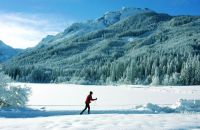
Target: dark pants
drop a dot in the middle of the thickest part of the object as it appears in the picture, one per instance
(87, 105)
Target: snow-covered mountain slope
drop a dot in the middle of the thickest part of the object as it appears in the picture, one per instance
(109, 18)
(79, 29)
(6, 52)
(130, 46)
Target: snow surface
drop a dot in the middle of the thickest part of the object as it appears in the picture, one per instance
(57, 106)
(109, 97)
(105, 122)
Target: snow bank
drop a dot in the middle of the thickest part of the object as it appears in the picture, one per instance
(183, 105)
(158, 109)
(188, 105)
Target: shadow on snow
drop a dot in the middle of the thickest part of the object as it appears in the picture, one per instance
(31, 113)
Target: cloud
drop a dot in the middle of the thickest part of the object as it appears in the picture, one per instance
(26, 30)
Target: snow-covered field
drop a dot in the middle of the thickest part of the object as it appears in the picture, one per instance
(57, 106)
(105, 122)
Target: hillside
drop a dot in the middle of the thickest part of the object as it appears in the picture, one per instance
(6, 52)
(129, 46)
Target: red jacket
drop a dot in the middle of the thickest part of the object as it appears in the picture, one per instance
(89, 99)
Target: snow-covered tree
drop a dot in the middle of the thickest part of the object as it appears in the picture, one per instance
(155, 79)
(12, 96)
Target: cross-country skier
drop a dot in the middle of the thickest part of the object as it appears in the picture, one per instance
(87, 102)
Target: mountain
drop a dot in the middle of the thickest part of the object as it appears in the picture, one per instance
(7, 52)
(79, 29)
(129, 46)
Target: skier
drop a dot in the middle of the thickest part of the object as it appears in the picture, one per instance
(87, 102)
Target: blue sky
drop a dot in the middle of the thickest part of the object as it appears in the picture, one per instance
(24, 23)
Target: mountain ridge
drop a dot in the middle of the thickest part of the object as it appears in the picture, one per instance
(7, 52)
(108, 18)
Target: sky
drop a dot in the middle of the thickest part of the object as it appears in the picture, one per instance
(23, 23)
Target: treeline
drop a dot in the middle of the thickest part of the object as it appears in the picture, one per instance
(154, 68)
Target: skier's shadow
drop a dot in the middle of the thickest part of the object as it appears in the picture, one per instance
(31, 113)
